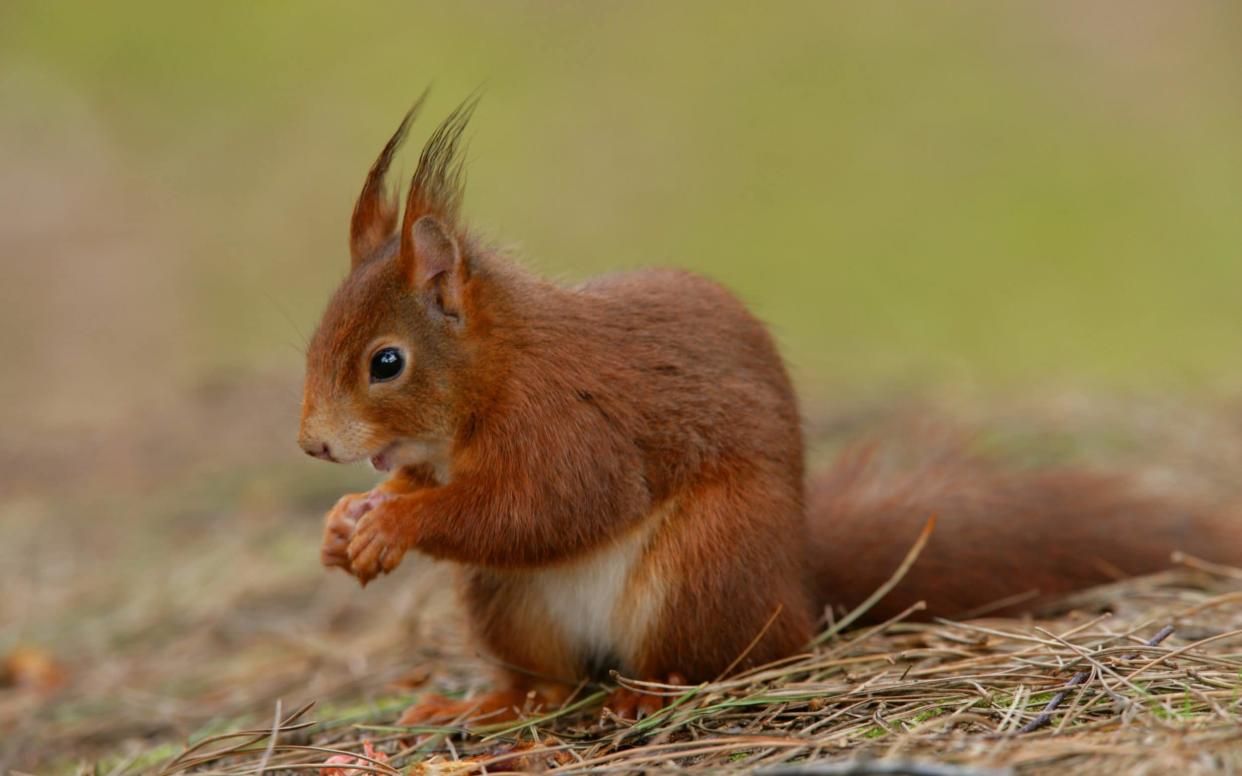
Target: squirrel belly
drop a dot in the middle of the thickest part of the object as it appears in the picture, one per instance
(579, 617)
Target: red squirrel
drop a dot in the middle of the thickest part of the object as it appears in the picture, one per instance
(616, 467)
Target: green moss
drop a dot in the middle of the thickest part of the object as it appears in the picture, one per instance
(925, 715)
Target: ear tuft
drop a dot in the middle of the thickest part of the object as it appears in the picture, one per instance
(430, 254)
(375, 214)
(439, 180)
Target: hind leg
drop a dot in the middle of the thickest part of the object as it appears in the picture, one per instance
(737, 596)
(729, 560)
(507, 627)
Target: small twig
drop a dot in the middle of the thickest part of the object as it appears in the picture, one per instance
(271, 741)
(1045, 716)
(998, 604)
(874, 630)
(179, 763)
(878, 768)
(1093, 658)
(1218, 569)
(742, 655)
(356, 766)
(883, 589)
(498, 729)
(1211, 603)
(1182, 650)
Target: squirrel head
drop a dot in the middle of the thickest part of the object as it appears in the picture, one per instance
(383, 367)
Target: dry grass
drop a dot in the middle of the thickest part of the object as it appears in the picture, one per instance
(197, 634)
(954, 693)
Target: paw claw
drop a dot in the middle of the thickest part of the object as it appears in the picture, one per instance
(337, 530)
(635, 705)
(378, 545)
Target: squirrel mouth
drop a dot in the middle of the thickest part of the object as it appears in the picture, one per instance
(382, 461)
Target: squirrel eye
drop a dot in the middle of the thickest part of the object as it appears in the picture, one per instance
(386, 364)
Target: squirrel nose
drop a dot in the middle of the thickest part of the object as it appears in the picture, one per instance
(318, 450)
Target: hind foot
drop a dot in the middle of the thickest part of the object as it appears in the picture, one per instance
(633, 704)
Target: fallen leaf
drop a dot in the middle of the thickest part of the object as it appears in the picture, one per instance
(33, 669)
(338, 764)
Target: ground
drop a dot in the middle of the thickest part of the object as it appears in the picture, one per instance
(164, 609)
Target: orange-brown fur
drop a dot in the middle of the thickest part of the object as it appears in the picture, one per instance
(1005, 541)
(637, 435)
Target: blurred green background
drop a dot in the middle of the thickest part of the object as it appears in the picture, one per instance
(992, 193)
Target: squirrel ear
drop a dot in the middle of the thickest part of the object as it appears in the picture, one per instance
(430, 254)
(436, 268)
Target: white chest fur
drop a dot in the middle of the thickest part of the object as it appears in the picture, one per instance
(602, 604)
(411, 452)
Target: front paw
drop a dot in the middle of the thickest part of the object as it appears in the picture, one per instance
(381, 539)
(341, 522)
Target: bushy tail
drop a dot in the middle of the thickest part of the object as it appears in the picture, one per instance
(1005, 540)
